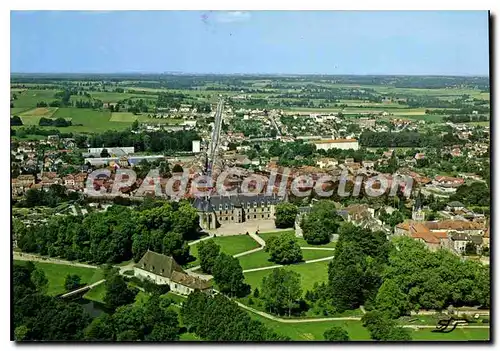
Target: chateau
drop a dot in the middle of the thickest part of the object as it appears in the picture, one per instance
(217, 210)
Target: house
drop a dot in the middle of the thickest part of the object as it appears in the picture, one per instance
(368, 164)
(164, 270)
(327, 162)
(455, 206)
(448, 182)
(419, 156)
(449, 234)
(458, 241)
(26, 180)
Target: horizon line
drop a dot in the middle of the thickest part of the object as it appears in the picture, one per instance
(468, 75)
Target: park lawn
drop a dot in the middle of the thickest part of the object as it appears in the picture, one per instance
(56, 275)
(301, 241)
(313, 331)
(96, 294)
(308, 255)
(230, 245)
(189, 337)
(459, 334)
(261, 258)
(310, 273)
(256, 260)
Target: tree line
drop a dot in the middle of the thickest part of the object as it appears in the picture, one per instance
(116, 235)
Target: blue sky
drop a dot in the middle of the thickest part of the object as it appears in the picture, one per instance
(318, 42)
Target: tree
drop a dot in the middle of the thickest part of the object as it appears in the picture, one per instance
(391, 300)
(16, 121)
(228, 275)
(321, 223)
(105, 153)
(256, 293)
(40, 280)
(284, 249)
(285, 215)
(281, 290)
(135, 125)
(177, 169)
(72, 282)
(470, 248)
(20, 333)
(336, 334)
(208, 251)
(117, 292)
(100, 329)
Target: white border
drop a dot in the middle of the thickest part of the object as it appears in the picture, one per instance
(191, 5)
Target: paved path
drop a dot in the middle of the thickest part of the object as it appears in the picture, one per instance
(202, 239)
(248, 252)
(257, 238)
(30, 257)
(317, 248)
(87, 287)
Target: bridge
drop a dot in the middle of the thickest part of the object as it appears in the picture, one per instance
(82, 289)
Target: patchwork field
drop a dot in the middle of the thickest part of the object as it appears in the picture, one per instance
(56, 275)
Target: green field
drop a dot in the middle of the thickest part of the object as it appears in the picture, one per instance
(56, 275)
(96, 294)
(32, 116)
(301, 241)
(87, 120)
(310, 273)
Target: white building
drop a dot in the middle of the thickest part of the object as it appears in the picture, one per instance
(196, 146)
(163, 270)
(344, 144)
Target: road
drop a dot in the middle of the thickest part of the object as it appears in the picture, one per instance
(214, 142)
(28, 257)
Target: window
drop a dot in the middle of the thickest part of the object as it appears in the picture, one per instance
(255, 204)
(232, 218)
(254, 216)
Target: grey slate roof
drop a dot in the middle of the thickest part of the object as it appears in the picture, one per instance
(239, 200)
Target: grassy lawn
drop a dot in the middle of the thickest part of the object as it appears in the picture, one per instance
(261, 258)
(32, 116)
(189, 337)
(310, 273)
(301, 241)
(314, 331)
(96, 294)
(56, 275)
(230, 245)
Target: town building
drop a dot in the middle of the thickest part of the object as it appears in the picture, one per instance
(343, 144)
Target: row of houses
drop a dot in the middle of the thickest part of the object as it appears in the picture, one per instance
(448, 234)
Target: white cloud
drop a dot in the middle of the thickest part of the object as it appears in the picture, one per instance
(233, 16)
